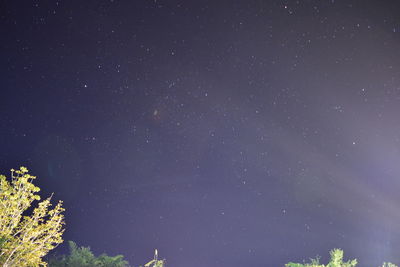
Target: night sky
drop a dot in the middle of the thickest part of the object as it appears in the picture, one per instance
(222, 133)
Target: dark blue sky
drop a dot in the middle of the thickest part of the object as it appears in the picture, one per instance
(223, 133)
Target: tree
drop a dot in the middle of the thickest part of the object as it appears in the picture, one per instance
(108, 261)
(83, 257)
(336, 261)
(25, 240)
(78, 257)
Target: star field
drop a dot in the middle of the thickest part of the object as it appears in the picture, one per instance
(239, 133)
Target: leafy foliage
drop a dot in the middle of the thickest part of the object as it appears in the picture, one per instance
(155, 262)
(388, 264)
(336, 261)
(24, 240)
(83, 257)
